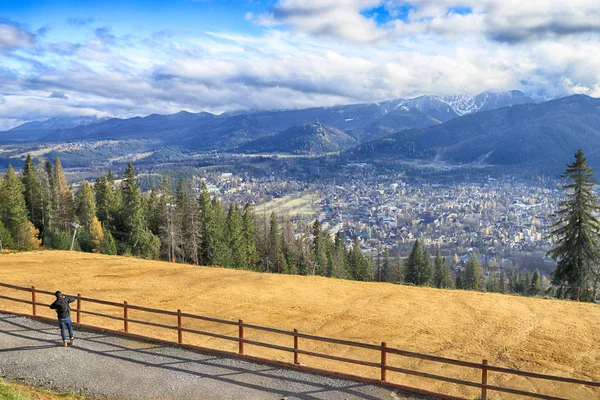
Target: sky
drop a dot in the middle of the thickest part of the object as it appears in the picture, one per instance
(124, 58)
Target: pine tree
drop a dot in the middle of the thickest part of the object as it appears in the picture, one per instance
(205, 206)
(251, 251)
(236, 237)
(318, 249)
(48, 194)
(359, 268)
(188, 220)
(577, 230)
(215, 241)
(418, 266)
(473, 276)
(108, 245)
(85, 206)
(13, 210)
(106, 203)
(339, 258)
(441, 277)
(274, 245)
(33, 193)
(62, 199)
(138, 240)
(288, 246)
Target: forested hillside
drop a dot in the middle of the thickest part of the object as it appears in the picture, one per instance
(113, 216)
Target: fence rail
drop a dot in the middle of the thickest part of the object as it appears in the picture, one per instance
(241, 339)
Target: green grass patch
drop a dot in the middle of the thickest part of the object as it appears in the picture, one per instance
(12, 391)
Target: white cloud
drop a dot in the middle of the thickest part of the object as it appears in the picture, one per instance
(335, 18)
(501, 20)
(433, 51)
(11, 36)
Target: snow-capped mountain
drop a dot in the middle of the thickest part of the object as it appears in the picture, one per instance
(445, 108)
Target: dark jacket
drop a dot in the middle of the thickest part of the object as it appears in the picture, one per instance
(61, 305)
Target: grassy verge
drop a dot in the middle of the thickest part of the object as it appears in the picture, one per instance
(13, 391)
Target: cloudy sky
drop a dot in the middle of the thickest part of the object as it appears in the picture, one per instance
(136, 57)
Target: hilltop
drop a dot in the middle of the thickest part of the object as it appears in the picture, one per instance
(308, 138)
(540, 335)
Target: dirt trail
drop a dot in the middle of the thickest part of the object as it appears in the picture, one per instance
(546, 336)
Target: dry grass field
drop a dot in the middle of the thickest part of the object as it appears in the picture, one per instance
(539, 335)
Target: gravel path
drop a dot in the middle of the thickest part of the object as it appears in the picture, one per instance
(105, 366)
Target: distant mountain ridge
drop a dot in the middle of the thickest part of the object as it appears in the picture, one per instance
(205, 131)
(60, 123)
(529, 134)
(36, 130)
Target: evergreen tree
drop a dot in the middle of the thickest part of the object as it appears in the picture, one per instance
(236, 237)
(205, 206)
(33, 193)
(319, 249)
(275, 256)
(216, 234)
(418, 266)
(577, 230)
(339, 258)
(249, 230)
(48, 195)
(106, 203)
(13, 213)
(138, 239)
(359, 267)
(63, 204)
(473, 276)
(108, 245)
(85, 204)
(441, 277)
(188, 221)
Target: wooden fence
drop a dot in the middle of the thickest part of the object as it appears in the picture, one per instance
(295, 336)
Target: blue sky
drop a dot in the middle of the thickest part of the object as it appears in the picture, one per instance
(134, 57)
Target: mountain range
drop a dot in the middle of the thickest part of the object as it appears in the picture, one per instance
(204, 131)
(530, 134)
(506, 128)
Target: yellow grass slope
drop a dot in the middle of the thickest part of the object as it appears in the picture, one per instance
(545, 336)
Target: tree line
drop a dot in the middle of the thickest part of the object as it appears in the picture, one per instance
(110, 216)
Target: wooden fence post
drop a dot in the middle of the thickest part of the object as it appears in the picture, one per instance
(33, 301)
(383, 361)
(484, 372)
(296, 346)
(241, 337)
(78, 308)
(179, 326)
(125, 317)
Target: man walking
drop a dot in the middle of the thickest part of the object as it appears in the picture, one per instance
(63, 312)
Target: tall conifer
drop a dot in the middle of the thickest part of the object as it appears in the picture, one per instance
(577, 230)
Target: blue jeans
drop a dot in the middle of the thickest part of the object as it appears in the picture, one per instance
(65, 323)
